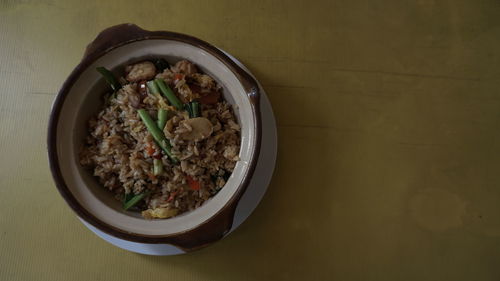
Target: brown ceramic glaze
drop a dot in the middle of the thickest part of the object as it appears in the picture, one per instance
(212, 229)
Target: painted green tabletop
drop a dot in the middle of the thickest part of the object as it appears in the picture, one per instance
(388, 117)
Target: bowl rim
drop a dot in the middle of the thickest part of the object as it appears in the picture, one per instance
(209, 231)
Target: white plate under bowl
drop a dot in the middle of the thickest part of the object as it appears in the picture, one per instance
(250, 199)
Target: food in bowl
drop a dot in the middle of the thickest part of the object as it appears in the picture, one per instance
(165, 140)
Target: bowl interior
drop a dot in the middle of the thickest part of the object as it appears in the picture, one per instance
(85, 100)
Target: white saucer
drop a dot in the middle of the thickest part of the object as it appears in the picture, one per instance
(250, 199)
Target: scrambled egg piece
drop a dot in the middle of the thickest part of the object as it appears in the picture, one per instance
(159, 213)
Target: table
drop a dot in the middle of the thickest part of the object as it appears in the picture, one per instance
(388, 117)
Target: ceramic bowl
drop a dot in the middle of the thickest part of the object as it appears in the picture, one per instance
(80, 98)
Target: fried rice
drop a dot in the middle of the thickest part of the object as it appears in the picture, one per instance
(121, 152)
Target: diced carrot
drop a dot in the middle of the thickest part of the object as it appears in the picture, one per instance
(178, 76)
(172, 196)
(150, 150)
(151, 176)
(194, 184)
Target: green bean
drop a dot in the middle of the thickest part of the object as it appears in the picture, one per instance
(165, 145)
(187, 107)
(162, 118)
(134, 200)
(150, 125)
(168, 93)
(195, 108)
(110, 78)
(157, 167)
(157, 134)
(153, 88)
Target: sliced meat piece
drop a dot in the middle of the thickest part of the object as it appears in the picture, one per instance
(185, 67)
(206, 82)
(198, 128)
(145, 70)
(129, 93)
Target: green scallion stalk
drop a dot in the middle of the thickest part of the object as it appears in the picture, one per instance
(134, 200)
(110, 78)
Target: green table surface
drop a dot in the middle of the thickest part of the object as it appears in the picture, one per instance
(388, 118)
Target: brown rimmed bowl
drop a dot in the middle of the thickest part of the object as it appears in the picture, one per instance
(80, 98)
